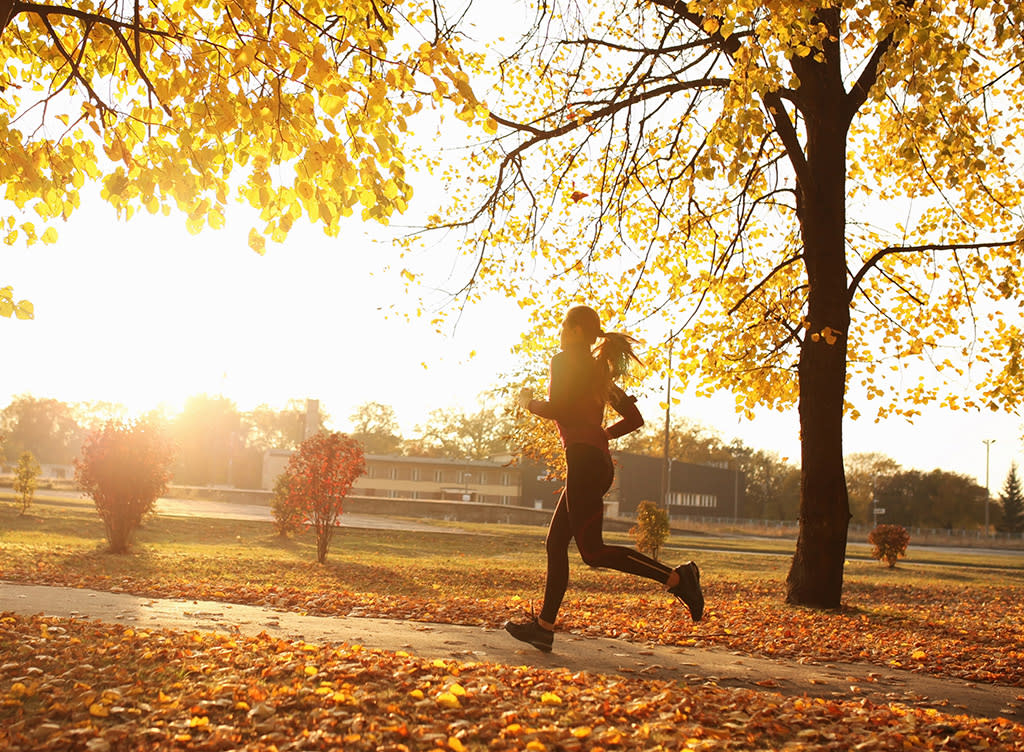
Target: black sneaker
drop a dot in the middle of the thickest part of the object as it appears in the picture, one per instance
(688, 590)
(533, 633)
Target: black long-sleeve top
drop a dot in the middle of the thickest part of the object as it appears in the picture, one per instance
(575, 403)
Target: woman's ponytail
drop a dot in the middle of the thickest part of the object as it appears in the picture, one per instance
(612, 355)
(615, 352)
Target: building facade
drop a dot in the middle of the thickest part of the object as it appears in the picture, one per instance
(428, 478)
(694, 490)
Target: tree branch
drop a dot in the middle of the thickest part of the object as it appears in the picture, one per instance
(75, 71)
(645, 51)
(63, 10)
(767, 278)
(540, 134)
(894, 249)
(772, 100)
(858, 94)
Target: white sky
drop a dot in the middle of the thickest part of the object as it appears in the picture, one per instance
(143, 313)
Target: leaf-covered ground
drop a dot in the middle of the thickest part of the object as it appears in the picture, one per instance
(77, 685)
(946, 621)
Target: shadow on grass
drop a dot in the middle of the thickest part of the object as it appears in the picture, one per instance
(49, 523)
(294, 575)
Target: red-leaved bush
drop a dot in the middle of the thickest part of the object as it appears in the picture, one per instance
(320, 475)
(890, 543)
(124, 467)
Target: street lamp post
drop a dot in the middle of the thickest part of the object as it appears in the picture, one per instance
(988, 445)
(666, 467)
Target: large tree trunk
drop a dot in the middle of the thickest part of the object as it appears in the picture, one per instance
(816, 574)
(6, 13)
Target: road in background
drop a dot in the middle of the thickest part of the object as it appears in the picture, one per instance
(224, 510)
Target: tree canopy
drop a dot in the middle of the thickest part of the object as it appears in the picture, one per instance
(452, 432)
(1012, 502)
(296, 109)
(802, 195)
(42, 425)
(375, 427)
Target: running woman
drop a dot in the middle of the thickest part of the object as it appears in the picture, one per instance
(582, 382)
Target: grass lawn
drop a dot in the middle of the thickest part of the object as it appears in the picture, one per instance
(73, 684)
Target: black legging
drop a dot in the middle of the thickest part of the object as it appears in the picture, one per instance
(579, 514)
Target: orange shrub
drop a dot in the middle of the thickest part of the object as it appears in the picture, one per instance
(320, 475)
(124, 467)
(890, 543)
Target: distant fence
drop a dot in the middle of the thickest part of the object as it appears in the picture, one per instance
(457, 511)
(856, 531)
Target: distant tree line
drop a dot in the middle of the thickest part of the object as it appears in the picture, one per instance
(218, 444)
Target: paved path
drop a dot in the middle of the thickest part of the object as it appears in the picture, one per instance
(605, 656)
(225, 510)
(231, 511)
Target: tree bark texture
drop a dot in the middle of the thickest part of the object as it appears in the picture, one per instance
(7, 11)
(816, 573)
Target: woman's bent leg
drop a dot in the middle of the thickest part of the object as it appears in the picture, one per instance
(590, 475)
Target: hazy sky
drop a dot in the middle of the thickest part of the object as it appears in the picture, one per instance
(141, 313)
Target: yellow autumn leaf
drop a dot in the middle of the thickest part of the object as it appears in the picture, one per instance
(332, 104)
(550, 698)
(455, 744)
(257, 242)
(98, 710)
(448, 700)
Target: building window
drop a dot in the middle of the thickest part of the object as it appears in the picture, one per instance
(371, 471)
(439, 476)
(705, 501)
(483, 477)
(392, 473)
(506, 479)
(415, 494)
(415, 474)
